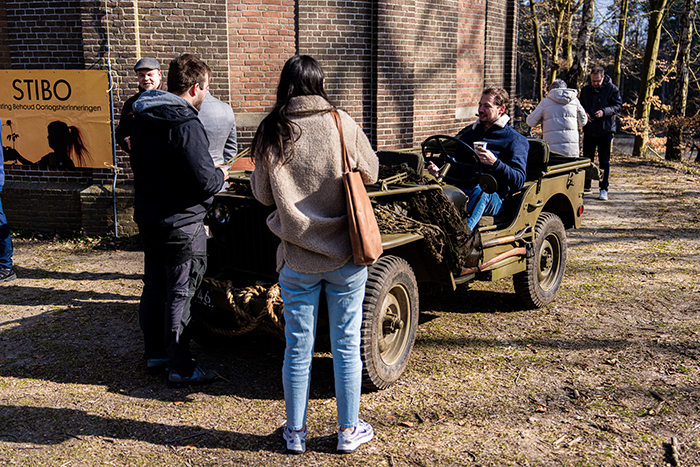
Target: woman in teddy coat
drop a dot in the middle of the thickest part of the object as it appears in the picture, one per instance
(298, 168)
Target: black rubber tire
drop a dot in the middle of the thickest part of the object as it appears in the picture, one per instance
(538, 285)
(391, 294)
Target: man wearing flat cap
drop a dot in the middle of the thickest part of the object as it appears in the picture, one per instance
(149, 77)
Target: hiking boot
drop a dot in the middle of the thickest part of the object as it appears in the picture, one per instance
(7, 274)
(603, 195)
(200, 375)
(296, 440)
(156, 366)
(350, 440)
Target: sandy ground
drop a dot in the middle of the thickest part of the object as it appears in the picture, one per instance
(606, 375)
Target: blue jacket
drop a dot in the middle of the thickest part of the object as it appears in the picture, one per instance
(174, 176)
(605, 97)
(509, 146)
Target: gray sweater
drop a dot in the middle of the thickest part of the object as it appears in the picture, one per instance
(311, 215)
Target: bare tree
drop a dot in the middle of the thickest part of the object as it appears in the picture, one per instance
(576, 76)
(648, 82)
(621, 29)
(537, 40)
(674, 138)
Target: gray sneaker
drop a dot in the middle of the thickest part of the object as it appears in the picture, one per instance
(200, 375)
(7, 274)
(349, 441)
(296, 440)
(603, 195)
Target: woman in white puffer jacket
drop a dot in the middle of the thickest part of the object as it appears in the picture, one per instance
(561, 115)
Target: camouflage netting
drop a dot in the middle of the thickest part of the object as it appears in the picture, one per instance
(429, 213)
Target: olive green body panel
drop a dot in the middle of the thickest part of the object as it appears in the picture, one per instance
(558, 190)
(504, 240)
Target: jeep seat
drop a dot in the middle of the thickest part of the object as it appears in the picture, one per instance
(537, 159)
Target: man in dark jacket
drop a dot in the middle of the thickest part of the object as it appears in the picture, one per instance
(504, 156)
(149, 77)
(174, 181)
(602, 102)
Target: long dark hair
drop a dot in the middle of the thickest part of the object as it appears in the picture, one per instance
(302, 75)
(64, 140)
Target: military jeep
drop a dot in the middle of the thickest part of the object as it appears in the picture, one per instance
(425, 240)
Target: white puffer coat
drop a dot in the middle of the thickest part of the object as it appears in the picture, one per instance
(561, 115)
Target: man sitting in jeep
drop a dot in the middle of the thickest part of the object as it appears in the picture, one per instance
(504, 156)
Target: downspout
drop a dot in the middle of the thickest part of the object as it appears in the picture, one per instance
(115, 169)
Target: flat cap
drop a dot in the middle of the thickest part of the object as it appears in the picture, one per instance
(147, 63)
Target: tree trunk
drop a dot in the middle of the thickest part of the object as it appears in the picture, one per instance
(538, 53)
(674, 138)
(576, 77)
(648, 81)
(557, 39)
(567, 47)
(621, 29)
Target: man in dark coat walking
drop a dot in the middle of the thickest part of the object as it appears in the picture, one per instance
(602, 102)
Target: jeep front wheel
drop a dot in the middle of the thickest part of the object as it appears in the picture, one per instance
(389, 322)
(538, 285)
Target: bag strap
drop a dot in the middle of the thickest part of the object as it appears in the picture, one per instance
(339, 125)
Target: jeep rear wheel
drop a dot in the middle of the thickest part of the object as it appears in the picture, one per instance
(538, 285)
(389, 322)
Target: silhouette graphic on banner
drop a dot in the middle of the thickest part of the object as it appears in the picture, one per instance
(69, 150)
(65, 141)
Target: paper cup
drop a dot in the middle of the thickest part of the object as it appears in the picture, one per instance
(480, 144)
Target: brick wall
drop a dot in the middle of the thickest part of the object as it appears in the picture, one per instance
(471, 58)
(45, 34)
(404, 69)
(5, 61)
(262, 36)
(54, 206)
(339, 35)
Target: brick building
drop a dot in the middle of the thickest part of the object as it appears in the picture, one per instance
(404, 69)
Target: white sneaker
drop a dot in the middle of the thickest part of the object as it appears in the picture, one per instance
(296, 440)
(603, 194)
(349, 441)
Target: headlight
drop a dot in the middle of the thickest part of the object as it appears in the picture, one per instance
(220, 213)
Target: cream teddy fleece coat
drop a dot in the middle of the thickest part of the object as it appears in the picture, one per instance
(311, 216)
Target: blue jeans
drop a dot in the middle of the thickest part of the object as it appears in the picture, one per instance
(481, 204)
(5, 241)
(345, 291)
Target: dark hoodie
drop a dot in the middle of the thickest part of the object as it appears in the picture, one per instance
(605, 97)
(126, 119)
(174, 176)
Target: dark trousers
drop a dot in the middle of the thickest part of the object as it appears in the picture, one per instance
(604, 145)
(174, 264)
